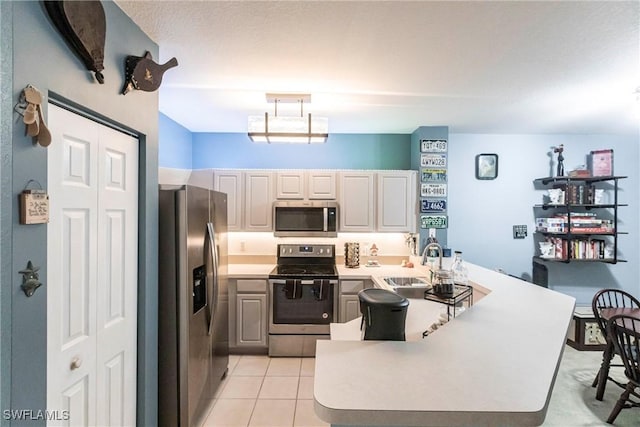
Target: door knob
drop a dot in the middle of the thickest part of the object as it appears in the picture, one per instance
(76, 362)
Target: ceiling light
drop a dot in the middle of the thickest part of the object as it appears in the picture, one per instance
(288, 129)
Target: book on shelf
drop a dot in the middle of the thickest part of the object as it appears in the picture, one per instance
(580, 223)
(579, 194)
(585, 249)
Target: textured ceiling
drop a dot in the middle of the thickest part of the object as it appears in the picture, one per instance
(389, 67)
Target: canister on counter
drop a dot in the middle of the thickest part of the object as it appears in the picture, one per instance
(352, 255)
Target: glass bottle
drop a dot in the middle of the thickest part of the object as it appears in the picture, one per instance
(459, 270)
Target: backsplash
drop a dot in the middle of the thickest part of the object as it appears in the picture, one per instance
(250, 247)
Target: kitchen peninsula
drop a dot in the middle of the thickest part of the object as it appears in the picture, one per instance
(493, 365)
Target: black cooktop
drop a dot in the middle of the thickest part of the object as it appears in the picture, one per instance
(304, 271)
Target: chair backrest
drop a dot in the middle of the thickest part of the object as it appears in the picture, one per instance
(611, 298)
(624, 330)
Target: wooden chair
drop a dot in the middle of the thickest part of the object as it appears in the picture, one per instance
(604, 299)
(624, 331)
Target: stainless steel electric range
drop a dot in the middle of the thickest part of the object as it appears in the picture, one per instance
(303, 294)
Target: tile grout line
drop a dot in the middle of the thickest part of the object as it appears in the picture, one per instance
(255, 401)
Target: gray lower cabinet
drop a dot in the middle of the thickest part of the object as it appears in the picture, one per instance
(349, 308)
(248, 315)
(251, 329)
(349, 302)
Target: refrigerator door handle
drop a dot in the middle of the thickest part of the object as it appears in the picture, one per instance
(213, 252)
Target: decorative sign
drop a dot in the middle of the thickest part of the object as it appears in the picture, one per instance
(433, 190)
(34, 207)
(433, 146)
(433, 221)
(433, 205)
(433, 160)
(438, 175)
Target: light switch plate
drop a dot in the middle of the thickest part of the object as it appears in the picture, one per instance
(519, 231)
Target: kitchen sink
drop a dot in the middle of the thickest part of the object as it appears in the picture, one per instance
(408, 287)
(406, 281)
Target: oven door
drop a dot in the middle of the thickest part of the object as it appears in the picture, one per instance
(301, 306)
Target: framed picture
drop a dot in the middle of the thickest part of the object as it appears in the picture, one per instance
(486, 166)
(601, 162)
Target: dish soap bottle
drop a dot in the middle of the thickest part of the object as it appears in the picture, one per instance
(459, 270)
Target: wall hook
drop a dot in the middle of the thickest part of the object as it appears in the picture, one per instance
(30, 280)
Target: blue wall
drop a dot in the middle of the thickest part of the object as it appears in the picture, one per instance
(175, 144)
(482, 213)
(341, 151)
(40, 57)
(6, 199)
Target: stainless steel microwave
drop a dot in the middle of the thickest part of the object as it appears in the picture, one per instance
(305, 219)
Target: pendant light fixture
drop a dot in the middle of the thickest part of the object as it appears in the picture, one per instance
(288, 129)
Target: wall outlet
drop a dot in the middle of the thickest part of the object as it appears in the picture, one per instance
(243, 246)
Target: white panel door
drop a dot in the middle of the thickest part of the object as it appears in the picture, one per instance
(72, 267)
(117, 280)
(92, 272)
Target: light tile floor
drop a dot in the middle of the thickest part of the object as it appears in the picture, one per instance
(263, 391)
(278, 392)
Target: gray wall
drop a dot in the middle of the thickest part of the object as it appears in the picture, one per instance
(6, 67)
(41, 58)
(482, 213)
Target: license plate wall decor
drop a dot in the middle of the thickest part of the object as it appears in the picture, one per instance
(438, 175)
(433, 190)
(433, 221)
(433, 146)
(433, 205)
(433, 160)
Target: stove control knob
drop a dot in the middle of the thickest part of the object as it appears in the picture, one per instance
(328, 251)
(321, 250)
(290, 250)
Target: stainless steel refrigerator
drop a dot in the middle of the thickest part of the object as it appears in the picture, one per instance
(193, 302)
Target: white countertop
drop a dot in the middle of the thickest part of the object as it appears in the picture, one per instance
(495, 364)
(250, 270)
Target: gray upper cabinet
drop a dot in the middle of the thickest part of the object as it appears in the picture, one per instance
(396, 204)
(321, 185)
(231, 183)
(290, 185)
(258, 201)
(356, 198)
(302, 185)
(369, 201)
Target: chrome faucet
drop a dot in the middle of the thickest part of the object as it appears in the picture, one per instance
(426, 251)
